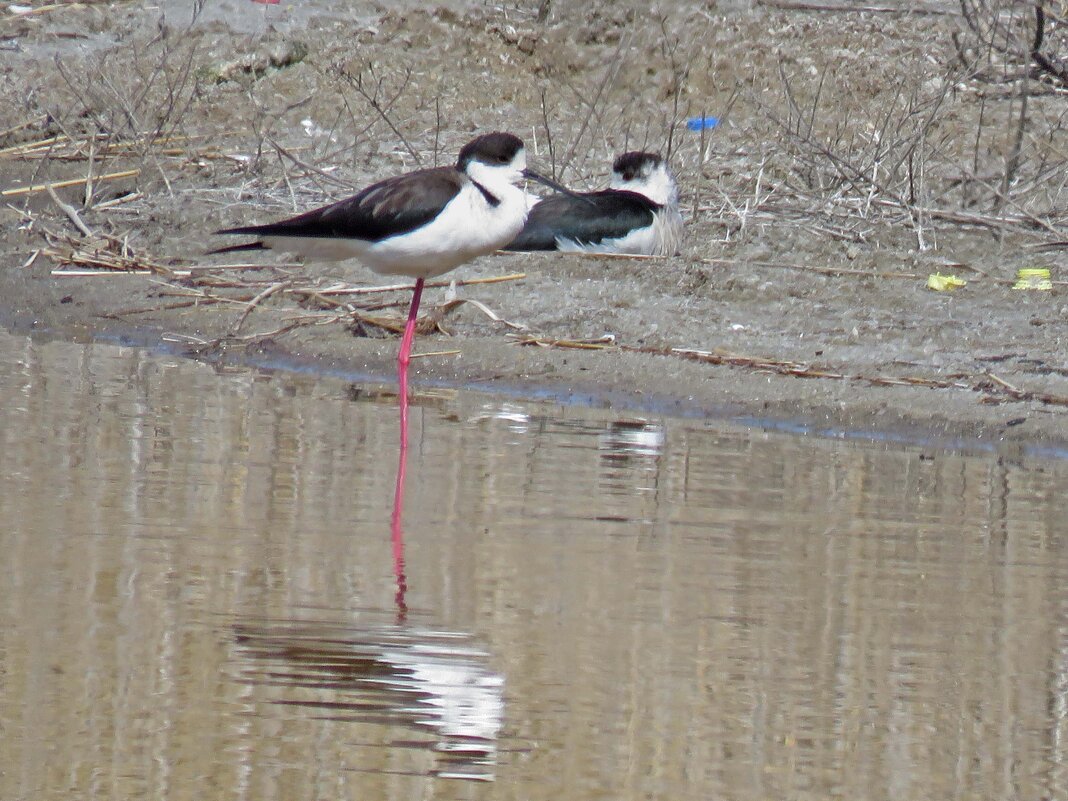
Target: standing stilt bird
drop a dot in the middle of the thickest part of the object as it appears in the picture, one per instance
(637, 214)
(420, 224)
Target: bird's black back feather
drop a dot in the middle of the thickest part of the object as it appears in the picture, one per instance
(588, 219)
(388, 208)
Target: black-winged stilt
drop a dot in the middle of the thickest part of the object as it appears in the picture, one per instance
(637, 214)
(420, 224)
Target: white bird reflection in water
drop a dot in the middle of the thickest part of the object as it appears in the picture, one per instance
(627, 438)
(432, 681)
(514, 415)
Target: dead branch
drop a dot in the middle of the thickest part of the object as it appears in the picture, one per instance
(801, 5)
(987, 383)
(26, 190)
(372, 95)
(70, 211)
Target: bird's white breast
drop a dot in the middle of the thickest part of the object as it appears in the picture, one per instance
(466, 228)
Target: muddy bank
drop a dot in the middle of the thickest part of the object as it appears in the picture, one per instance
(805, 301)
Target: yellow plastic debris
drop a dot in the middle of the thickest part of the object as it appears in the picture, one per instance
(944, 283)
(1033, 278)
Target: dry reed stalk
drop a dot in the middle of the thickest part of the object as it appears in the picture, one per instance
(108, 204)
(27, 190)
(23, 126)
(90, 273)
(599, 343)
(74, 149)
(14, 151)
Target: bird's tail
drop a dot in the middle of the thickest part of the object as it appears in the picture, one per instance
(241, 247)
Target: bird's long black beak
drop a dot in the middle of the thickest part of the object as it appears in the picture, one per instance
(549, 182)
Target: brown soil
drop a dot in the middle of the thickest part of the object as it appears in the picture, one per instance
(804, 280)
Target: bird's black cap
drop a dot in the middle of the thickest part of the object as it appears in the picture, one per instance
(492, 148)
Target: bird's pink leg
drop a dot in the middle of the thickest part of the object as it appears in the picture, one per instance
(403, 359)
(409, 329)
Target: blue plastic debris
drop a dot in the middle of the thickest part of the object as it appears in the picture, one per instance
(701, 123)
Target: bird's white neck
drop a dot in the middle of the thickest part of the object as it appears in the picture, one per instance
(499, 180)
(659, 186)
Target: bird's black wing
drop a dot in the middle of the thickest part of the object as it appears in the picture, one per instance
(587, 219)
(389, 208)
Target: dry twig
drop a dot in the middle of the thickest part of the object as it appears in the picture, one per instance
(70, 211)
(26, 190)
(989, 383)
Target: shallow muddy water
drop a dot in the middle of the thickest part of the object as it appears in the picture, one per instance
(200, 598)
